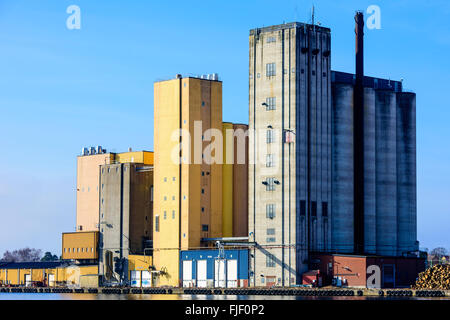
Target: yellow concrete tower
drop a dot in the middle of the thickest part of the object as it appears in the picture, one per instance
(188, 182)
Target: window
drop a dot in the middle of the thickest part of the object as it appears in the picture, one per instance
(204, 227)
(270, 231)
(324, 209)
(203, 103)
(203, 209)
(165, 179)
(270, 136)
(173, 214)
(302, 207)
(269, 160)
(165, 198)
(92, 249)
(68, 249)
(64, 250)
(203, 191)
(314, 208)
(270, 261)
(271, 103)
(203, 173)
(173, 197)
(270, 184)
(270, 239)
(270, 210)
(271, 39)
(165, 215)
(173, 178)
(270, 69)
(157, 223)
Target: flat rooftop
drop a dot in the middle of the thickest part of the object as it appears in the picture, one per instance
(289, 25)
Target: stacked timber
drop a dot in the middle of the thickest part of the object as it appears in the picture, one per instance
(437, 277)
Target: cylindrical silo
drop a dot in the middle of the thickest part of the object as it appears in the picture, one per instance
(386, 172)
(406, 172)
(370, 237)
(342, 169)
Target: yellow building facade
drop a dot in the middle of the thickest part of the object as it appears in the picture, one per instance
(80, 245)
(88, 177)
(188, 184)
(52, 274)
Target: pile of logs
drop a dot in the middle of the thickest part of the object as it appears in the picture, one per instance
(437, 277)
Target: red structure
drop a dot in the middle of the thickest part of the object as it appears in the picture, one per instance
(351, 270)
(313, 278)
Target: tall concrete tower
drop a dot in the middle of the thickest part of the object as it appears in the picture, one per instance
(290, 149)
(188, 185)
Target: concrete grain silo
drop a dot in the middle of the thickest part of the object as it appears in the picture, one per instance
(406, 172)
(342, 169)
(369, 172)
(386, 172)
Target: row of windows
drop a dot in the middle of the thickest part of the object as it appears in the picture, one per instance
(313, 208)
(271, 209)
(117, 169)
(78, 250)
(205, 227)
(165, 179)
(270, 71)
(165, 215)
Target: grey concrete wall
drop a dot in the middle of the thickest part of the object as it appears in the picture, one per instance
(125, 210)
(369, 172)
(293, 82)
(386, 172)
(342, 191)
(406, 173)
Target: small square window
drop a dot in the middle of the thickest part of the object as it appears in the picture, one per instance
(204, 227)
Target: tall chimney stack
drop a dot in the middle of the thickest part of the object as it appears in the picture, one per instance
(358, 135)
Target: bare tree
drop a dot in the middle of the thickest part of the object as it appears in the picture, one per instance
(439, 252)
(22, 255)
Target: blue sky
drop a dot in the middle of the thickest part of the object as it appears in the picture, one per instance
(64, 89)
